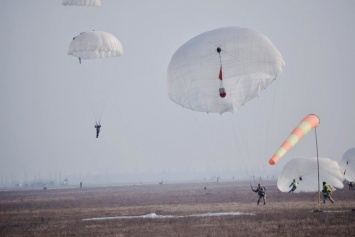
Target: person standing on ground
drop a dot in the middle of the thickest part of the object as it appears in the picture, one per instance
(327, 192)
(261, 192)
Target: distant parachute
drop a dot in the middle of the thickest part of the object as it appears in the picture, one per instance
(89, 3)
(307, 124)
(347, 165)
(94, 45)
(97, 48)
(305, 172)
(220, 70)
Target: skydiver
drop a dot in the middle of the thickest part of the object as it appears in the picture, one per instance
(294, 186)
(97, 126)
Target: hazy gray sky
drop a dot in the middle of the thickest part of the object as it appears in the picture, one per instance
(47, 126)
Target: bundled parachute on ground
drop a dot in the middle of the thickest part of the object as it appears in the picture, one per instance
(98, 49)
(220, 70)
(347, 165)
(305, 172)
(307, 124)
(89, 3)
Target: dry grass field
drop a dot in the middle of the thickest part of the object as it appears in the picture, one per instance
(60, 212)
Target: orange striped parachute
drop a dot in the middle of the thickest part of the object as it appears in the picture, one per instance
(307, 124)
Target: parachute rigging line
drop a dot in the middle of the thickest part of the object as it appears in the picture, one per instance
(222, 91)
(346, 167)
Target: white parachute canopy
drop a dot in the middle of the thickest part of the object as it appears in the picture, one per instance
(89, 3)
(347, 165)
(95, 44)
(244, 60)
(305, 172)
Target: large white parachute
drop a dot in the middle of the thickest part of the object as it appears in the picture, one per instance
(347, 165)
(220, 70)
(305, 172)
(89, 3)
(95, 44)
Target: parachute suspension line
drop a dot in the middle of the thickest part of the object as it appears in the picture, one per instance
(243, 157)
(96, 89)
(267, 108)
(270, 112)
(347, 163)
(102, 83)
(244, 147)
(222, 91)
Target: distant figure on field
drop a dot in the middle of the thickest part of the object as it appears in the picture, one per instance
(81, 184)
(261, 192)
(351, 185)
(327, 192)
(97, 126)
(294, 186)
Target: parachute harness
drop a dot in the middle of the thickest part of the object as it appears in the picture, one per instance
(222, 92)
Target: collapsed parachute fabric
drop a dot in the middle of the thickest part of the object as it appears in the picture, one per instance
(220, 70)
(305, 172)
(95, 44)
(347, 165)
(89, 3)
(307, 124)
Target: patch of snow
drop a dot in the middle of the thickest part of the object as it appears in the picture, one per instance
(155, 216)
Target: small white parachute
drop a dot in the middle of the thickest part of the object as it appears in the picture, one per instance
(88, 3)
(305, 172)
(220, 70)
(347, 165)
(102, 48)
(95, 44)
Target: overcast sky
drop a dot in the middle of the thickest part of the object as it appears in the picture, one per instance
(46, 120)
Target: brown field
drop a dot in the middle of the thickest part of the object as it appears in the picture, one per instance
(60, 212)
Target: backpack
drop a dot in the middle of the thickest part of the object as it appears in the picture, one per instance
(262, 191)
(329, 188)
